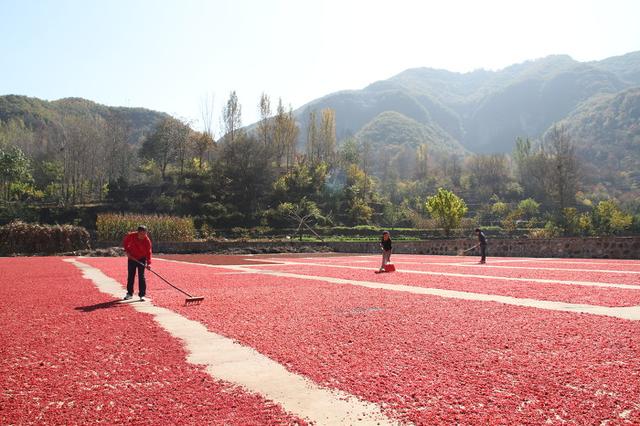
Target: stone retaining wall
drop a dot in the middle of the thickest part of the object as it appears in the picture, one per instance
(606, 247)
(603, 247)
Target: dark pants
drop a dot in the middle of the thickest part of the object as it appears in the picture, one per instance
(483, 252)
(142, 284)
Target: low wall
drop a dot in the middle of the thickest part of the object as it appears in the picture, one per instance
(592, 247)
(605, 247)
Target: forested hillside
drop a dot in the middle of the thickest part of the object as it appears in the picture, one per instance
(543, 147)
(606, 130)
(74, 147)
(48, 117)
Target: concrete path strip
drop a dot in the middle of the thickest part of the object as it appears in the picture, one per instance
(227, 360)
(535, 268)
(629, 262)
(475, 276)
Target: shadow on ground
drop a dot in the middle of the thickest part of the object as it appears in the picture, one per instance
(105, 305)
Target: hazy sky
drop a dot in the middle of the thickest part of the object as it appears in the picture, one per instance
(166, 55)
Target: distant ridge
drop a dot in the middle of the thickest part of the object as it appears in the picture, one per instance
(484, 110)
(47, 116)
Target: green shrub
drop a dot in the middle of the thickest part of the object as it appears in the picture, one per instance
(550, 230)
(610, 219)
(113, 227)
(29, 238)
(635, 225)
(240, 232)
(447, 208)
(500, 209)
(529, 208)
(207, 232)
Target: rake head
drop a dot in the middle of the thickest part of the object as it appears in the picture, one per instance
(193, 300)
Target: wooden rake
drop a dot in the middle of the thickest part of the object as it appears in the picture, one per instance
(463, 252)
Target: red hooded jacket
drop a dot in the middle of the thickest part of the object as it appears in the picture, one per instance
(136, 247)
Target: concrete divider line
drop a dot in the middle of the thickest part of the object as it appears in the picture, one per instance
(491, 266)
(627, 312)
(511, 260)
(593, 262)
(227, 360)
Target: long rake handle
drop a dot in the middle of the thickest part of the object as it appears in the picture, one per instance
(163, 279)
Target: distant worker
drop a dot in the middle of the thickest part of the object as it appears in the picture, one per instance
(137, 245)
(385, 245)
(482, 243)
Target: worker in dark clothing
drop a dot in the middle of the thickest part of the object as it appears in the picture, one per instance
(482, 243)
(385, 245)
(137, 246)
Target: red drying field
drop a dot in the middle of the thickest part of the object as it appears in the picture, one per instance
(212, 259)
(70, 356)
(244, 259)
(494, 264)
(570, 264)
(542, 291)
(504, 271)
(425, 359)
(604, 264)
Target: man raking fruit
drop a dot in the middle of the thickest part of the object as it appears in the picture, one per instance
(137, 245)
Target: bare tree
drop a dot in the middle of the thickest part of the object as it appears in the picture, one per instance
(327, 136)
(313, 148)
(80, 159)
(265, 124)
(206, 114)
(232, 118)
(422, 158)
(181, 132)
(167, 144)
(119, 154)
(533, 169)
(564, 170)
(365, 157)
(489, 174)
(204, 141)
(285, 133)
(290, 138)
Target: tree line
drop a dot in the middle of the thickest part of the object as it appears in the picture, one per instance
(277, 174)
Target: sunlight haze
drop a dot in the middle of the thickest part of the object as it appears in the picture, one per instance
(165, 55)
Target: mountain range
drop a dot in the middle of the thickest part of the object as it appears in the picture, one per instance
(485, 111)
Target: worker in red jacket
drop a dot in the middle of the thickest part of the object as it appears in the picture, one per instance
(137, 245)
